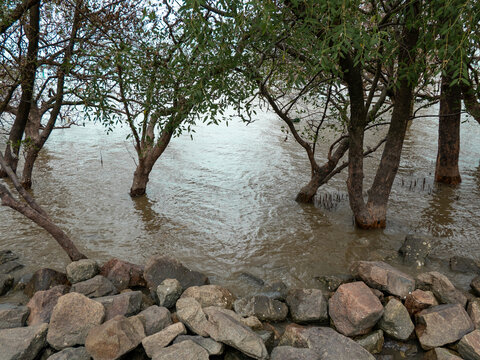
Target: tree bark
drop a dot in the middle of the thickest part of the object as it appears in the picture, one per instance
(471, 102)
(9, 19)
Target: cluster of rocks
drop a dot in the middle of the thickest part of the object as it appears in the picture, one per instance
(165, 311)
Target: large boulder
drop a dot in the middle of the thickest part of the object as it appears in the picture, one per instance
(42, 303)
(154, 343)
(213, 347)
(23, 343)
(442, 288)
(261, 306)
(159, 268)
(189, 311)
(184, 350)
(441, 325)
(114, 338)
(396, 321)
(381, 276)
(6, 283)
(354, 309)
(97, 286)
(72, 318)
(123, 274)
(156, 319)
(307, 305)
(79, 353)
(469, 346)
(419, 300)
(293, 353)
(128, 303)
(44, 279)
(12, 316)
(211, 295)
(168, 292)
(82, 270)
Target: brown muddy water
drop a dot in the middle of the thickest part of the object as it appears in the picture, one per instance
(224, 204)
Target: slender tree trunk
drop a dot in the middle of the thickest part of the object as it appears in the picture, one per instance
(471, 102)
(30, 158)
(140, 179)
(446, 170)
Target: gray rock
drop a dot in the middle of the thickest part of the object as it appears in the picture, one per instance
(6, 256)
(6, 283)
(441, 354)
(126, 304)
(464, 265)
(213, 347)
(184, 350)
(97, 286)
(82, 270)
(407, 349)
(12, 316)
(72, 318)
(372, 342)
(168, 292)
(332, 282)
(475, 285)
(263, 307)
(159, 268)
(23, 281)
(23, 343)
(156, 319)
(189, 311)
(210, 295)
(292, 353)
(276, 291)
(42, 303)
(396, 320)
(469, 346)
(44, 279)
(154, 343)
(79, 353)
(442, 288)
(415, 250)
(441, 325)
(10, 266)
(307, 305)
(473, 311)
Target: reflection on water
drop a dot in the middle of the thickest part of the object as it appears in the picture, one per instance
(224, 204)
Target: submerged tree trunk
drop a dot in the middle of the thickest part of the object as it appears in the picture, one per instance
(446, 169)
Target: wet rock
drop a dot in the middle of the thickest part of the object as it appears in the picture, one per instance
(404, 349)
(473, 311)
(168, 292)
(396, 321)
(42, 303)
(114, 338)
(72, 318)
(79, 353)
(159, 268)
(12, 316)
(293, 336)
(213, 347)
(268, 338)
(307, 305)
(251, 279)
(6, 283)
(442, 288)
(469, 346)
(126, 304)
(123, 274)
(354, 309)
(23, 343)
(292, 353)
(95, 287)
(189, 311)
(332, 282)
(10, 266)
(475, 285)
(6, 256)
(252, 322)
(464, 265)
(184, 350)
(419, 300)
(441, 325)
(82, 270)
(263, 307)
(382, 276)
(156, 319)
(441, 354)
(152, 344)
(276, 291)
(211, 295)
(45, 279)
(372, 342)
(415, 250)
(233, 333)
(22, 282)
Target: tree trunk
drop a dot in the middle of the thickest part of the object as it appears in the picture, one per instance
(308, 192)
(32, 154)
(471, 102)
(140, 179)
(446, 170)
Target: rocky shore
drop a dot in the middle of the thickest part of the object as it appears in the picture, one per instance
(163, 311)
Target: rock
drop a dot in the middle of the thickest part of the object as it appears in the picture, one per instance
(354, 309)
(475, 285)
(45, 279)
(332, 282)
(233, 333)
(263, 307)
(251, 279)
(42, 303)
(415, 250)
(292, 353)
(213, 347)
(23, 343)
(404, 349)
(123, 274)
(331, 345)
(81, 270)
(382, 276)
(473, 311)
(156, 319)
(396, 321)
(307, 305)
(6, 283)
(13, 316)
(189, 311)
(184, 350)
(441, 325)
(126, 304)
(252, 322)
(372, 342)
(168, 292)
(79, 353)
(95, 287)
(10, 266)
(464, 265)
(469, 346)
(293, 336)
(159, 268)
(442, 288)
(152, 344)
(6, 256)
(72, 318)
(113, 338)
(419, 300)
(441, 354)
(276, 291)
(23, 281)
(210, 295)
